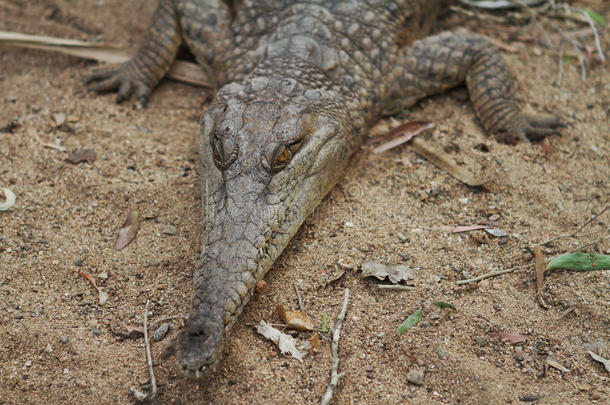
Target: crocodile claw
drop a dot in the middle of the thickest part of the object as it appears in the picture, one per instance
(125, 80)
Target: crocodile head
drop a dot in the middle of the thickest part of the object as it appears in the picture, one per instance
(270, 150)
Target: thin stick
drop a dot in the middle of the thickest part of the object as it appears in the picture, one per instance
(395, 287)
(486, 275)
(595, 242)
(598, 45)
(560, 70)
(539, 268)
(573, 234)
(153, 381)
(296, 290)
(334, 375)
(53, 146)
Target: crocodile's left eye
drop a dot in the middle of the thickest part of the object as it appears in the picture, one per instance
(281, 157)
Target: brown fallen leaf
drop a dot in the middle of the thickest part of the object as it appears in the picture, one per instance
(445, 162)
(399, 135)
(132, 331)
(128, 230)
(183, 71)
(82, 155)
(546, 146)
(395, 273)
(295, 319)
(59, 119)
(540, 268)
(102, 295)
(511, 338)
(314, 342)
(261, 286)
(551, 362)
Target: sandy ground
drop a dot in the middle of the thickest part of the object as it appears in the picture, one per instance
(57, 344)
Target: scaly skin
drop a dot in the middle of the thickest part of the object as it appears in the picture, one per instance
(300, 84)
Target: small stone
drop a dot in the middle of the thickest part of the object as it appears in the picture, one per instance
(66, 371)
(415, 376)
(28, 363)
(170, 230)
(483, 284)
(96, 331)
(441, 353)
(64, 339)
(103, 275)
(78, 263)
(159, 334)
(402, 237)
(480, 341)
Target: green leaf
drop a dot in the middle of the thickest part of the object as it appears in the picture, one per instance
(444, 305)
(596, 17)
(567, 60)
(580, 261)
(410, 322)
(324, 322)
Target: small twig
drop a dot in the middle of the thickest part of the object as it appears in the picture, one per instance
(395, 287)
(539, 269)
(575, 45)
(169, 318)
(573, 234)
(296, 290)
(560, 70)
(139, 396)
(334, 374)
(153, 381)
(598, 45)
(486, 275)
(595, 242)
(53, 146)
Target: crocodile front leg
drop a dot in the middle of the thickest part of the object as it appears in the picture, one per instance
(446, 60)
(154, 58)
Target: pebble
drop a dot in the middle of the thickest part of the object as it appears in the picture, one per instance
(480, 341)
(415, 376)
(97, 331)
(160, 333)
(441, 353)
(28, 363)
(402, 237)
(170, 230)
(64, 339)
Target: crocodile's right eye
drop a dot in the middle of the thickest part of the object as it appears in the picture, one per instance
(218, 154)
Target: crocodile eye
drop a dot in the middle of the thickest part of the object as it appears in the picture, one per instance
(218, 155)
(282, 157)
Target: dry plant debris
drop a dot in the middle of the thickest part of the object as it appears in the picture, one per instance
(128, 230)
(9, 199)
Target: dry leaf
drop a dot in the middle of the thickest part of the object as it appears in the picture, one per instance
(395, 273)
(82, 155)
(261, 286)
(286, 343)
(401, 134)
(314, 342)
(181, 70)
(59, 119)
(551, 362)
(599, 358)
(512, 338)
(132, 331)
(128, 230)
(445, 162)
(295, 319)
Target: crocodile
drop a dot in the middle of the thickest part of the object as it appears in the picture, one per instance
(298, 84)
